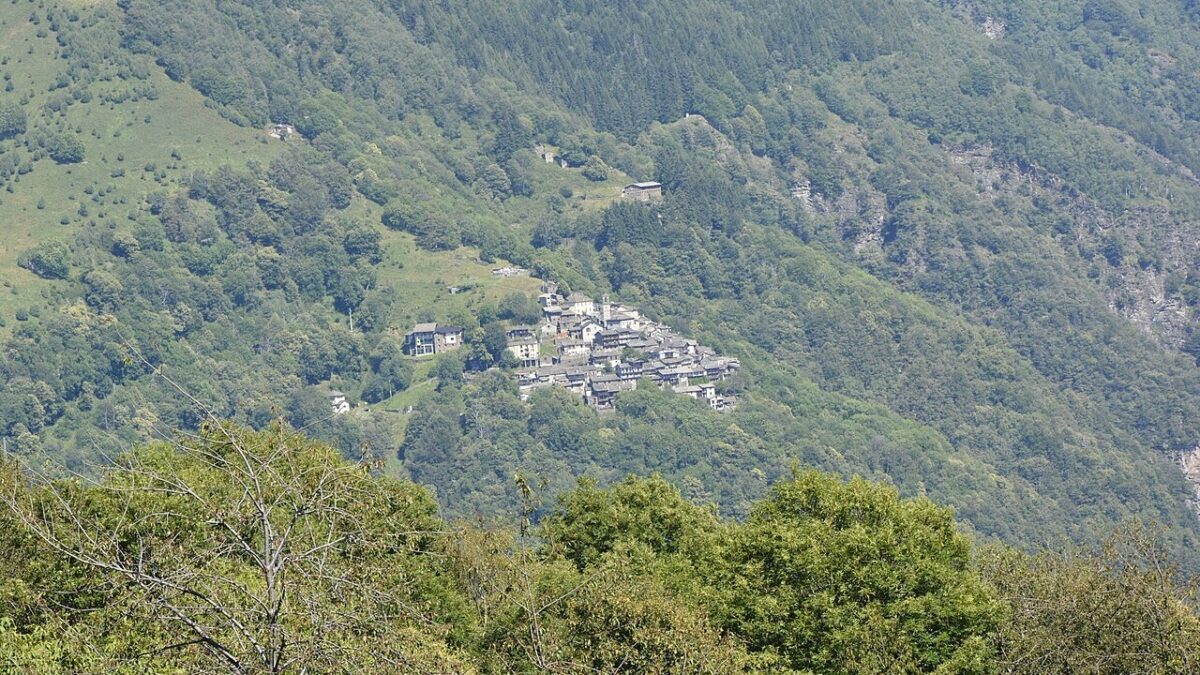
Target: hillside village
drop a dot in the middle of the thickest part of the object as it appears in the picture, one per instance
(597, 350)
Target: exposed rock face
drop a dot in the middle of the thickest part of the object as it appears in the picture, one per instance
(994, 28)
(1135, 280)
(991, 26)
(1189, 463)
(1150, 244)
(802, 191)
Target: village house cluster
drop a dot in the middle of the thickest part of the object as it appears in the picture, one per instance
(600, 349)
(596, 350)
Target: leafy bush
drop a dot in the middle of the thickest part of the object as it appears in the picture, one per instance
(48, 260)
(65, 149)
(595, 169)
(12, 120)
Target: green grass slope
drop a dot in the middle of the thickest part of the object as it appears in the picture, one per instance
(132, 148)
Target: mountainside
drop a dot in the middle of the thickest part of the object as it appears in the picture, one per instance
(955, 246)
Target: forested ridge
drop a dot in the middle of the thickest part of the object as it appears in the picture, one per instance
(959, 262)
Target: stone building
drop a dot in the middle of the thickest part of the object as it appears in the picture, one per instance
(643, 192)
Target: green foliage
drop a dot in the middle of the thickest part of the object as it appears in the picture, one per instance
(520, 308)
(595, 169)
(1116, 610)
(220, 87)
(65, 149)
(449, 370)
(159, 566)
(923, 244)
(838, 577)
(611, 617)
(13, 120)
(49, 260)
(431, 227)
(589, 522)
(234, 492)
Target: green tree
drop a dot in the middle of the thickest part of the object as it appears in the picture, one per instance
(433, 230)
(12, 120)
(48, 259)
(230, 548)
(103, 289)
(494, 182)
(520, 308)
(595, 169)
(494, 339)
(589, 522)
(361, 240)
(616, 617)
(315, 118)
(449, 370)
(222, 87)
(511, 133)
(65, 149)
(1118, 609)
(848, 578)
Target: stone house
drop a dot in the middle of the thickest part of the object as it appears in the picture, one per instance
(605, 357)
(616, 338)
(521, 333)
(429, 338)
(603, 390)
(281, 131)
(643, 192)
(629, 370)
(526, 350)
(447, 338)
(573, 349)
(605, 348)
(579, 304)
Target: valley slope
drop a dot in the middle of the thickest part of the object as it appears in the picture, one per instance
(941, 263)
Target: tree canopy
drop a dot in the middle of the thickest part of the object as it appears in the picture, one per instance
(265, 552)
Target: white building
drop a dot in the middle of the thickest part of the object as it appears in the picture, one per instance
(527, 351)
(338, 403)
(579, 305)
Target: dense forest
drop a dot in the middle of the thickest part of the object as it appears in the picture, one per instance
(229, 550)
(954, 245)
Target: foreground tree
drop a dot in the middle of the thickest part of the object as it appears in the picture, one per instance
(1121, 609)
(846, 577)
(827, 576)
(239, 551)
(250, 552)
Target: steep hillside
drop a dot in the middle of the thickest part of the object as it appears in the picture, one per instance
(138, 133)
(120, 240)
(941, 262)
